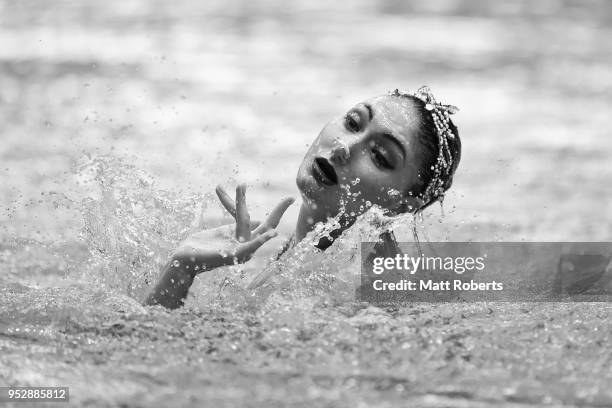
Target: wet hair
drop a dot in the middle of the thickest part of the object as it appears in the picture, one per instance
(429, 144)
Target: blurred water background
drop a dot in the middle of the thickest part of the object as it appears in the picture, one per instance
(118, 118)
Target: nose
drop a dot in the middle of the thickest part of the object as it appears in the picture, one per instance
(340, 151)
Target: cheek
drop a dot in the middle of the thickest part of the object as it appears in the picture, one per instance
(376, 186)
(371, 178)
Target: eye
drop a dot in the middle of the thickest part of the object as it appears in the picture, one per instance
(380, 160)
(352, 121)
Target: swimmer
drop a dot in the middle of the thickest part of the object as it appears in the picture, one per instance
(397, 151)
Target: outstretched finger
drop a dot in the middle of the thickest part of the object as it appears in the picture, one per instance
(226, 201)
(275, 216)
(245, 251)
(243, 232)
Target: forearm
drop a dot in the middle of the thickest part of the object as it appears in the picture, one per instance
(173, 286)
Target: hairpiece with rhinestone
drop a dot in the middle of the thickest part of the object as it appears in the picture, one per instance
(444, 163)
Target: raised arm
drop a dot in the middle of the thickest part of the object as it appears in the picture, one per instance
(210, 249)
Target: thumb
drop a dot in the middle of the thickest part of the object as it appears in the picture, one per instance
(245, 251)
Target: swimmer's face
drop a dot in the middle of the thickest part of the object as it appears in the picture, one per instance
(367, 156)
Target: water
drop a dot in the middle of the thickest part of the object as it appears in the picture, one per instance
(118, 121)
(75, 318)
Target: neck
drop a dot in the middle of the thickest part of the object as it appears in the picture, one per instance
(309, 217)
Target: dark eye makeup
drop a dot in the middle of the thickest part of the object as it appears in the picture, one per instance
(352, 121)
(380, 159)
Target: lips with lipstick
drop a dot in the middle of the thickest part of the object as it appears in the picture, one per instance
(323, 172)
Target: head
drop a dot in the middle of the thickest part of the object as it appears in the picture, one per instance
(383, 151)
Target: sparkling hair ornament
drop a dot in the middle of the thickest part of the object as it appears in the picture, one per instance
(442, 169)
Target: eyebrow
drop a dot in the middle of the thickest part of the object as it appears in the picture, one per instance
(396, 142)
(370, 113)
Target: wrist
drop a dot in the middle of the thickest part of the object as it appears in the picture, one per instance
(182, 266)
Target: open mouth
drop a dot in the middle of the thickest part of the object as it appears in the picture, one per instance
(323, 172)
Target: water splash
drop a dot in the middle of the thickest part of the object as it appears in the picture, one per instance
(132, 225)
(305, 276)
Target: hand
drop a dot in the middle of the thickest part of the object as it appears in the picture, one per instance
(228, 245)
(209, 249)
